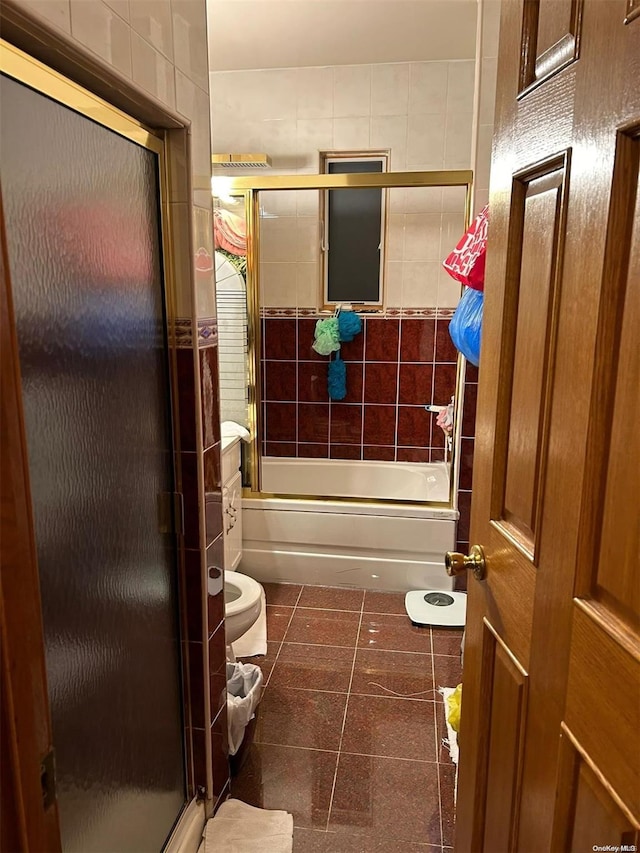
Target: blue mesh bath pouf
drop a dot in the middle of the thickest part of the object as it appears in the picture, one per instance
(337, 379)
(349, 324)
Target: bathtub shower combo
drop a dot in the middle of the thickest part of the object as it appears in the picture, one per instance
(359, 492)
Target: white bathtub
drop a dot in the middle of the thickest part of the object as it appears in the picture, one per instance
(339, 478)
(390, 546)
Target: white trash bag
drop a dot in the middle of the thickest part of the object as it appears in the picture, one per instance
(244, 689)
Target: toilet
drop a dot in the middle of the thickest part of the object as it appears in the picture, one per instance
(242, 604)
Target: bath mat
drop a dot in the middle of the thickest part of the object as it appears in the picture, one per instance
(254, 642)
(239, 828)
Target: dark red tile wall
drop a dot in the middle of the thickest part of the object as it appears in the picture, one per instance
(395, 367)
(214, 631)
(203, 628)
(466, 464)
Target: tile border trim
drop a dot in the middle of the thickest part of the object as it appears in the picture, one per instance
(207, 334)
(429, 313)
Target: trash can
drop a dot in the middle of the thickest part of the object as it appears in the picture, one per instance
(244, 690)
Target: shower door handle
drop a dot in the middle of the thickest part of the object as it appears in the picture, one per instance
(456, 563)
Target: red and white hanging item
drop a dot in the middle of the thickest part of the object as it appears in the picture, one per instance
(466, 262)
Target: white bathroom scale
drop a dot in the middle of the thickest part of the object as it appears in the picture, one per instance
(436, 607)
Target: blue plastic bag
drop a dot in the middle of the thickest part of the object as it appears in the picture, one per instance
(465, 327)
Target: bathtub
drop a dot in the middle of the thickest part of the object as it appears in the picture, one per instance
(406, 481)
(390, 546)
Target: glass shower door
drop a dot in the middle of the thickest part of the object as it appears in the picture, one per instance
(378, 438)
(82, 214)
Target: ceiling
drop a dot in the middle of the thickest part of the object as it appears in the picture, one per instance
(247, 34)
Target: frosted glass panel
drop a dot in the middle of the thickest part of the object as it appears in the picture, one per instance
(81, 206)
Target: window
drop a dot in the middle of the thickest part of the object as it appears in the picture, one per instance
(353, 239)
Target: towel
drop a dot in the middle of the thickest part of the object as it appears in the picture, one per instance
(230, 232)
(239, 828)
(229, 429)
(254, 641)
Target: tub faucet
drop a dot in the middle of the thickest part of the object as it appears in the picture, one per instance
(444, 421)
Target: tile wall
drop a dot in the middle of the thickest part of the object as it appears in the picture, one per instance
(422, 111)
(395, 366)
(423, 224)
(150, 58)
(466, 456)
(487, 57)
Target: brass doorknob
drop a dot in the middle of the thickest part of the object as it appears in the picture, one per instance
(456, 563)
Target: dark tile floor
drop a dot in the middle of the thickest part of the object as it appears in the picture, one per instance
(349, 733)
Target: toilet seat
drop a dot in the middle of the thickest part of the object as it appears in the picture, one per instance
(249, 591)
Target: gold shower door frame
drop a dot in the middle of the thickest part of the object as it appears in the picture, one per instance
(249, 188)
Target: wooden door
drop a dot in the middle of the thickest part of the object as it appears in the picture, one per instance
(550, 739)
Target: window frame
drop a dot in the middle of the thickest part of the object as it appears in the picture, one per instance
(357, 156)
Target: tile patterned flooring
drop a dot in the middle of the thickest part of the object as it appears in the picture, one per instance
(349, 733)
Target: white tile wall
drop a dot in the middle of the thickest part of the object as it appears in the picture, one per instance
(56, 11)
(390, 131)
(351, 133)
(457, 141)
(425, 141)
(419, 283)
(426, 200)
(422, 236)
(307, 284)
(152, 20)
(190, 40)
(460, 87)
(428, 87)
(390, 89)
(152, 70)
(120, 7)
(314, 93)
(104, 32)
(395, 237)
(279, 282)
(192, 101)
(393, 282)
(421, 111)
(293, 113)
(486, 54)
(351, 90)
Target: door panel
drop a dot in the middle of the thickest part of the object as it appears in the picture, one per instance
(507, 730)
(608, 687)
(81, 207)
(633, 10)
(557, 465)
(589, 808)
(551, 32)
(539, 241)
(611, 559)
(554, 23)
